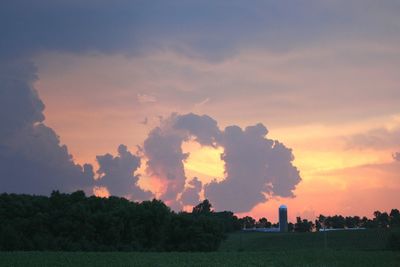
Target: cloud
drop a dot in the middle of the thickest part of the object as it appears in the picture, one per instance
(117, 174)
(378, 138)
(210, 30)
(255, 166)
(165, 158)
(32, 160)
(191, 195)
(144, 98)
(202, 103)
(145, 121)
(163, 149)
(203, 128)
(396, 156)
(20, 105)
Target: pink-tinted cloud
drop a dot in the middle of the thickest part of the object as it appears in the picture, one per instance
(255, 166)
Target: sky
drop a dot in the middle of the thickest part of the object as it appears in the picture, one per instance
(251, 104)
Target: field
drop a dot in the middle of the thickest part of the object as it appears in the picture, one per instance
(358, 248)
(374, 239)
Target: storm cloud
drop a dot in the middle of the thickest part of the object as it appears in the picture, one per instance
(256, 167)
(212, 30)
(32, 160)
(118, 174)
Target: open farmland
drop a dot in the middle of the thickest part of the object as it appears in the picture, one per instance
(284, 258)
(363, 248)
(371, 239)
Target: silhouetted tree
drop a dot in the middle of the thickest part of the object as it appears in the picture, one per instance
(203, 207)
(290, 227)
(394, 218)
(382, 219)
(303, 225)
(247, 222)
(318, 225)
(263, 223)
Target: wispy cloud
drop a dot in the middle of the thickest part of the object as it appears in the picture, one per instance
(146, 98)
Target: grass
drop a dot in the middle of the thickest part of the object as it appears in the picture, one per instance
(372, 239)
(359, 248)
(276, 258)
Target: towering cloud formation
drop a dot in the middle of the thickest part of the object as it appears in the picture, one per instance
(31, 157)
(165, 158)
(20, 105)
(32, 160)
(255, 166)
(117, 174)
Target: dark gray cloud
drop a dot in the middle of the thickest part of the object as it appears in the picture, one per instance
(20, 105)
(118, 174)
(32, 160)
(191, 195)
(255, 166)
(206, 28)
(203, 128)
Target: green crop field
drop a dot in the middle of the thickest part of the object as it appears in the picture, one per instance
(279, 259)
(372, 239)
(358, 248)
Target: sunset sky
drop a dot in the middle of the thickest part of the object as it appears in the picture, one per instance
(323, 77)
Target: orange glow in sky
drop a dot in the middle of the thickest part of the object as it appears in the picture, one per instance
(337, 175)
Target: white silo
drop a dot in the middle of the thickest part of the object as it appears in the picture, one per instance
(283, 223)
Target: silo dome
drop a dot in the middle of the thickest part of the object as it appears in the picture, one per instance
(283, 207)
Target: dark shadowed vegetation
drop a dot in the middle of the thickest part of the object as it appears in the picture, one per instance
(366, 240)
(74, 222)
(303, 258)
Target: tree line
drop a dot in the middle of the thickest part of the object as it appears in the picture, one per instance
(380, 220)
(75, 222)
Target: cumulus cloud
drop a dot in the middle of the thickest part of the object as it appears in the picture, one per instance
(20, 105)
(191, 195)
(255, 166)
(165, 158)
(118, 174)
(203, 128)
(163, 148)
(32, 160)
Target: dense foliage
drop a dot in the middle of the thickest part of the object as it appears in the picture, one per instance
(74, 222)
(380, 220)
